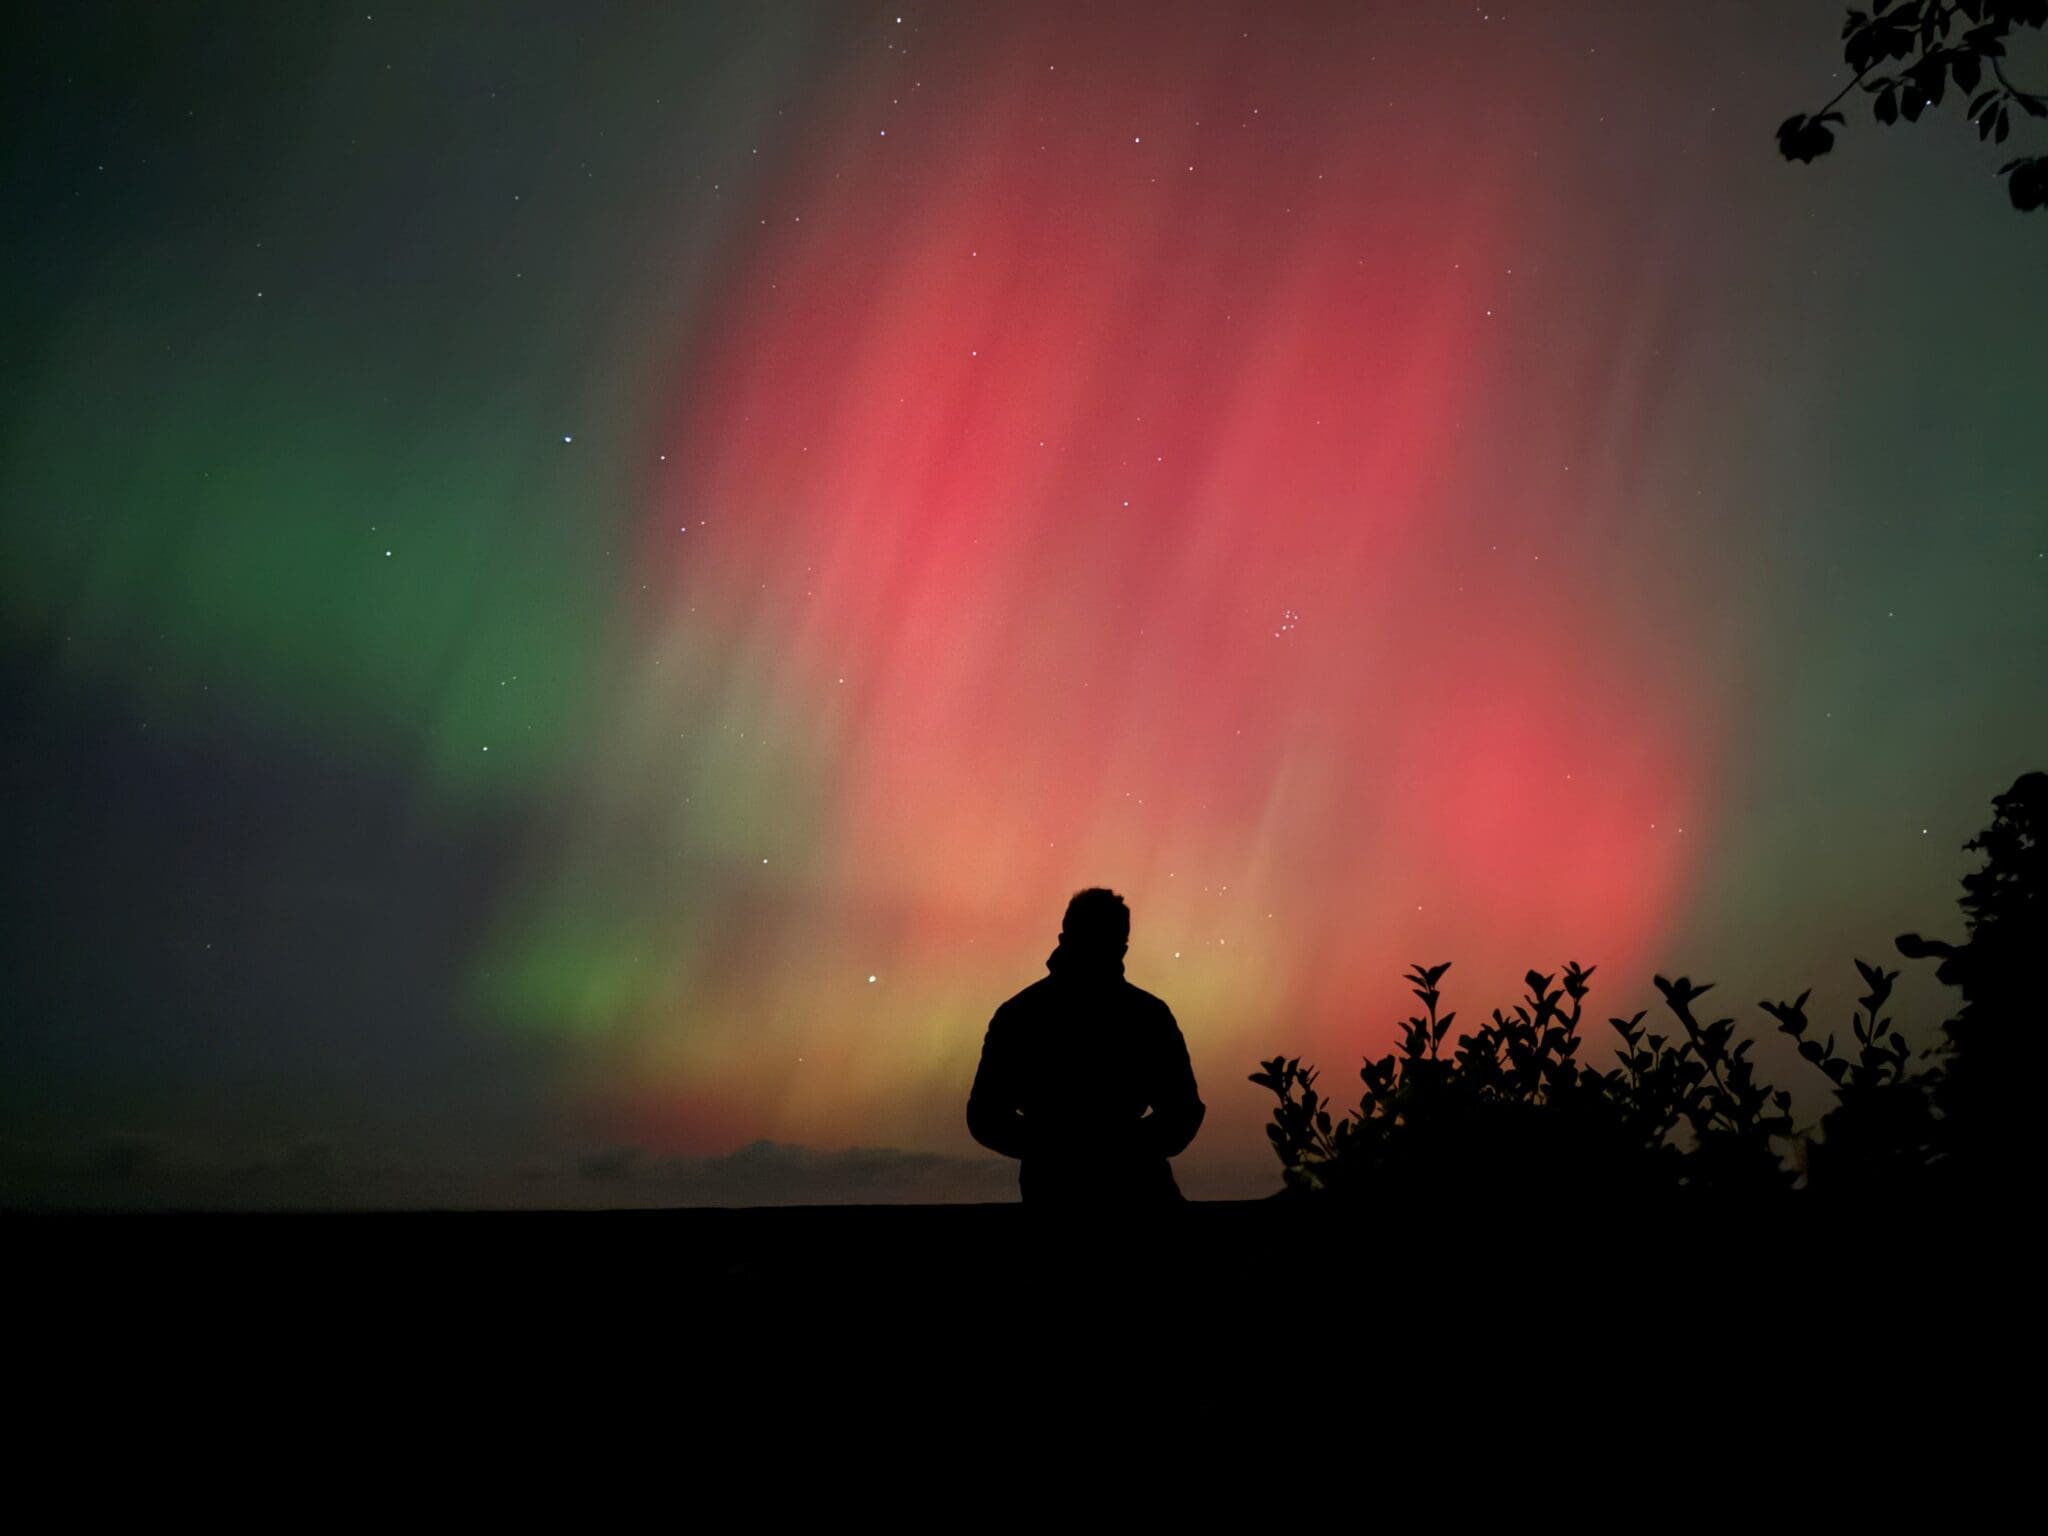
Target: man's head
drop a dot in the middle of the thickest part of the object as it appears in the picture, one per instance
(1097, 923)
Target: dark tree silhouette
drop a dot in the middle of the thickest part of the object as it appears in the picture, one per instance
(1907, 55)
(1994, 1055)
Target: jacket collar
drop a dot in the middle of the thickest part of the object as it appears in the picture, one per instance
(1083, 964)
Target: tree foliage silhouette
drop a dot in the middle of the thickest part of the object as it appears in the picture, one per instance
(1994, 1041)
(1514, 1107)
(1907, 55)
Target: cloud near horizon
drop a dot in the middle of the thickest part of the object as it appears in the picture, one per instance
(140, 1173)
(129, 1172)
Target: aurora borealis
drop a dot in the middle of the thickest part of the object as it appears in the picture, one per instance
(581, 583)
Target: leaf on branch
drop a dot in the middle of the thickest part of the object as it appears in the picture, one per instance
(2027, 183)
(1803, 138)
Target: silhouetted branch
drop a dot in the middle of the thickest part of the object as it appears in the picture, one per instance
(1915, 35)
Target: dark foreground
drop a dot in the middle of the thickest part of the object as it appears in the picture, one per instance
(996, 1350)
(1405, 1265)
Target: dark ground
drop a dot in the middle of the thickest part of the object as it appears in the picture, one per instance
(713, 1355)
(237, 1269)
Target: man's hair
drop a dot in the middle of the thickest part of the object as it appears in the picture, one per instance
(1097, 917)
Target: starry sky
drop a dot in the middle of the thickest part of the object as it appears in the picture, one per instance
(579, 584)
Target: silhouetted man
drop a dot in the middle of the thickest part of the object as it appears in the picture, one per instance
(1072, 1065)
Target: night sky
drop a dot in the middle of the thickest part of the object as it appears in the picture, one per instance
(580, 583)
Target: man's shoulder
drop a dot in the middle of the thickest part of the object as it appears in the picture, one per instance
(1028, 999)
(1141, 1001)
(1046, 993)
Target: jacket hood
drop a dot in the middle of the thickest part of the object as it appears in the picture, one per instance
(1076, 964)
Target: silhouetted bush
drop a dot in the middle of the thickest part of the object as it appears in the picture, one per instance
(1513, 1110)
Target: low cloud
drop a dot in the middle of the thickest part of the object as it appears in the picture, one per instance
(772, 1173)
(137, 1173)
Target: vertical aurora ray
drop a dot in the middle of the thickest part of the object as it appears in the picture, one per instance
(541, 548)
(1061, 497)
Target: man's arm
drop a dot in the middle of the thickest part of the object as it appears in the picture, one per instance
(993, 1118)
(1177, 1109)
